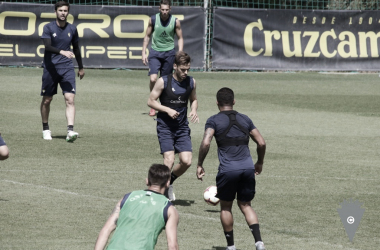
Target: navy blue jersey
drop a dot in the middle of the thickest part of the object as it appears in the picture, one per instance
(62, 39)
(232, 157)
(2, 142)
(178, 88)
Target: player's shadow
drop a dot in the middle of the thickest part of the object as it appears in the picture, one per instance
(216, 248)
(212, 211)
(185, 203)
(59, 137)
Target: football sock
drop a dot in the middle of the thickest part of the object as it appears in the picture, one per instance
(45, 126)
(255, 232)
(70, 127)
(172, 178)
(229, 238)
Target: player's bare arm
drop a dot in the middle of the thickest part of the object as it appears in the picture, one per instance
(178, 32)
(203, 151)
(171, 228)
(146, 42)
(193, 105)
(78, 57)
(153, 97)
(108, 228)
(260, 149)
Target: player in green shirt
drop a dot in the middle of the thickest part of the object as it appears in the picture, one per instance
(161, 27)
(140, 216)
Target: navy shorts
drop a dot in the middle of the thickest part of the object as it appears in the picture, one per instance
(2, 142)
(177, 140)
(241, 182)
(161, 62)
(52, 76)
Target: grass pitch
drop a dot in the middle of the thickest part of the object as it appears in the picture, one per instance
(322, 133)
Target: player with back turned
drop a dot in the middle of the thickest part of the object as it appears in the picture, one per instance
(140, 216)
(58, 66)
(236, 173)
(161, 27)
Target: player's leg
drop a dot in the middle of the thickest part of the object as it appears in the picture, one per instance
(48, 89)
(245, 194)
(68, 88)
(167, 63)
(169, 157)
(227, 220)
(4, 151)
(154, 68)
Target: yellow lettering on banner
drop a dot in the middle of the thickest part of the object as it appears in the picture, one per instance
(268, 41)
(323, 43)
(294, 20)
(95, 27)
(31, 23)
(370, 20)
(38, 50)
(96, 50)
(117, 26)
(373, 38)
(248, 38)
(304, 20)
(314, 35)
(23, 54)
(360, 20)
(6, 49)
(314, 20)
(323, 20)
(70, 19)
(351, 44)
(297, 52)
(350, 22)
(333, 20)
(115, 52)
(180, 17)
(131, 49)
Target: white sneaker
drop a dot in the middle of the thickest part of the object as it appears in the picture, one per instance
(46, 134)
(231, 248)
(171, 195)
(260, 245)
(71, 136)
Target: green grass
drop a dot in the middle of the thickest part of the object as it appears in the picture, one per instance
(322, 133)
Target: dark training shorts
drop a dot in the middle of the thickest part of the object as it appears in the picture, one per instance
(161, 62)
(2, 142)
(51, 77)
(241, 182)
(177, 140)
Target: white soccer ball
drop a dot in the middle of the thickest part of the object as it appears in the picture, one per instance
(209, 196)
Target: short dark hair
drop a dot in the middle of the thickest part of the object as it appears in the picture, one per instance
(60, 4)
(158, 175)
(182, 58)
(225, 97)
(165, 2)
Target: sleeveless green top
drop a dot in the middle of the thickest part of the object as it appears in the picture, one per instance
(163, 37)
(140, 222)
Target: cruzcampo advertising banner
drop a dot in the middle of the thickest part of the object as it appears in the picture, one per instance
(109, 36)
(296, 39)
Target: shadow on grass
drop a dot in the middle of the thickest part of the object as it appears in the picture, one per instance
(215, 248)
(59, 137)
(212, 211)
(185, 203)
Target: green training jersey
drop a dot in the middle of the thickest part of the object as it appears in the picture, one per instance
(163, 37)
(141, 220)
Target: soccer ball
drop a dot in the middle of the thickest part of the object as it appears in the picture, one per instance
(209, 196)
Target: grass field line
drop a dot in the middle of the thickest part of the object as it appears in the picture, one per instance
(58, 190)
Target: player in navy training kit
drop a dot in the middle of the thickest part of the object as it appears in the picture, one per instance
(236, 173)
(161, 27)
(4, 151)
(173, 129)
(58, 66)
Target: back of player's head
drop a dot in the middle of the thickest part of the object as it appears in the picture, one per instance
(165, 2)
(182, 58)
(225, 97)
(158, 175)
(60, 4)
